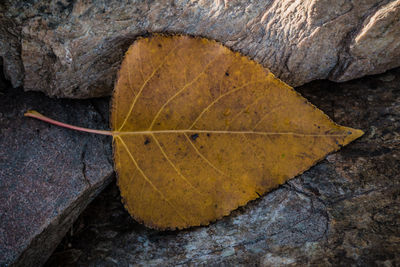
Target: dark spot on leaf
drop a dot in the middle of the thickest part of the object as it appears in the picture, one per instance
(226, 73)
(159, 45)
(194, 136)
(147, 141)
(201, 146)
(349, 132)
(208, 135)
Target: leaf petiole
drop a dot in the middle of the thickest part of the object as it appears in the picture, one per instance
(37, 115)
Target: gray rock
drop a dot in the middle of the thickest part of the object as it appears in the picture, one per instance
(47, 174)
(74, 48)
(342, 212)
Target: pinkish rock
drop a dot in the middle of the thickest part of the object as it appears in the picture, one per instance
(47, 174)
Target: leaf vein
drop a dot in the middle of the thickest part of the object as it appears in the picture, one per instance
(144, 85)
(243, 110)
(204, 158)
(225, 132)
(219, 98)
(214, 167)
(265, 116)
(150, 182)
(180, 91)
(174, 166)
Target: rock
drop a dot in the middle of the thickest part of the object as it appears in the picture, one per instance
(47, 174)
(342, 212)
(74, 48)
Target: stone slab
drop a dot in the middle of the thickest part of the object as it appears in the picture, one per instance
(47, 174)
(74, 48)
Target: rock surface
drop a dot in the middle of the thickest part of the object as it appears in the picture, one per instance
(47, 174)
(342, 212)
(73, 48)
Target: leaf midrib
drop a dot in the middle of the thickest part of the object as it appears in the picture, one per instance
(183, 131)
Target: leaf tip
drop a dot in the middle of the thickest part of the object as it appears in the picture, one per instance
(353, 134)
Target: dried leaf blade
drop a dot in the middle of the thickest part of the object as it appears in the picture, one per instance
(200, 130)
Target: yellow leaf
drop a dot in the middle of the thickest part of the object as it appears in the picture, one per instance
(200, 130)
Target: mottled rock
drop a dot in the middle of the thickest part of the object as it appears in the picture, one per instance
(47, 174)
(342, 212)
(73, 48)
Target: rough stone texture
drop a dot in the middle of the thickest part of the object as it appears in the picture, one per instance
(342, 212)
(47, 174)
(73, 48)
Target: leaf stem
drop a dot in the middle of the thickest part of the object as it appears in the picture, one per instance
(37, 115)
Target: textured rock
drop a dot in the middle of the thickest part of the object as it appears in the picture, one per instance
(70, 48)
(47, 174)
(342, 212)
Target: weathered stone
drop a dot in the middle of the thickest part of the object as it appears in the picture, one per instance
(47, 174)
(73, 49)
(342, 212)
